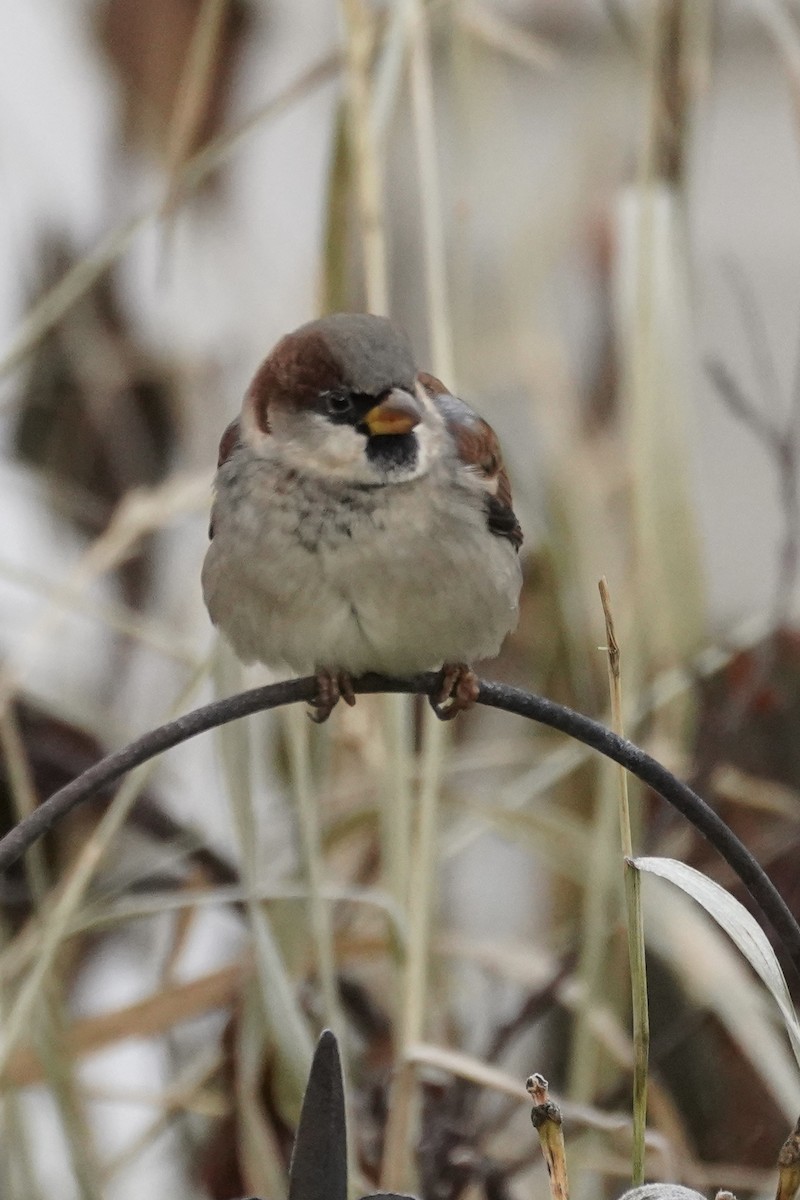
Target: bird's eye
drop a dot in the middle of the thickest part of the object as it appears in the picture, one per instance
(338, 404)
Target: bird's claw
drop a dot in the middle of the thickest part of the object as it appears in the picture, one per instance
(456, 692)
(332, 686)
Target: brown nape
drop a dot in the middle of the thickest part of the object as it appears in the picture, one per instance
(432, 385)
(299, 368)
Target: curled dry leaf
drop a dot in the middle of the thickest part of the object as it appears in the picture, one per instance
(740, 926)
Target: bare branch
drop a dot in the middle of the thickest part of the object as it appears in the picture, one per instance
(494, 695)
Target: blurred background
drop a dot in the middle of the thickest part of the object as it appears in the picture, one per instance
(586, 214)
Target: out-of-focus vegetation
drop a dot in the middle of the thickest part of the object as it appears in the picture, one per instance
(585, 215)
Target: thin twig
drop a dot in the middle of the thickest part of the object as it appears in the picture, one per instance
(493, 695)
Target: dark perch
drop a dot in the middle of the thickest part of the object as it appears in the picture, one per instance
(494, 695)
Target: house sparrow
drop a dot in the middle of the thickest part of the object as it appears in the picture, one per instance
(362, 519)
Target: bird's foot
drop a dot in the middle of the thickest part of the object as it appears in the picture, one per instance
(331, 687)
(457, 691)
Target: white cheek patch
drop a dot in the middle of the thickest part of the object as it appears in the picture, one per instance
(339, 446)
(311, 442)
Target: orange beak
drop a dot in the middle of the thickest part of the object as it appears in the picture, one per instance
(397, 413)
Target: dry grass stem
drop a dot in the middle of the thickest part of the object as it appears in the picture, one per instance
(369, 186)
(546, 1118)
(78, 280)
(191, 103)
(140, 513)
(633, 904)
(60, 911)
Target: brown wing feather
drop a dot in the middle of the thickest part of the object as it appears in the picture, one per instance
(228, 441)
(227, 444)
(479, 449)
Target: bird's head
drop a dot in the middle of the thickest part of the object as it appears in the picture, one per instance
(340, 396)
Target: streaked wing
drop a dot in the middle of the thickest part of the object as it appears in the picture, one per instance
(479, 449)
(228, 442)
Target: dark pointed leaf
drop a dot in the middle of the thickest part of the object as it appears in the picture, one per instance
(388, 1196)
(319, 1160)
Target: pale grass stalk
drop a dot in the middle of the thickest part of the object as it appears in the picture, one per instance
(141, 512)
(23, 795)
(364, 142)
(261, 1158)
(389, 71)
(633, 904)
(78, 280)
(532, 971)
(284, 1024)
(654, 301)
(474, 1070)
(116, 617)
(16, 1162)
(17, 957)
(54, 925)
(585, 1116)
(489, 26)
(781, 25)
(359, 24)
(669, 685)
(416, 998)
(48, 1029)
(193, 92)
(424, 871)
(152, 1017)
(396, 797)
(395, 813)
(48, 1018)
(598, 901)
(75, 283)
(422, 900)
(156, 903)
(180, 1097)
(431, 212)
(297, 728)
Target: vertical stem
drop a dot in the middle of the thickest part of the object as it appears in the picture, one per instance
(633, 908)
(318, 910)
(280, 1012)
(422, 101)
(396, 806)
(194, 91)
(424, 863)
(48, 1018)
(422, 902)
(367, 165)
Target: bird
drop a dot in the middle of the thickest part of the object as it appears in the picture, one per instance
(362, 519)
